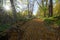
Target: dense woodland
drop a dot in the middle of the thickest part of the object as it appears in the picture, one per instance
(29, 20)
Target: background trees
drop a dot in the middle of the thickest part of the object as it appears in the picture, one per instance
(30, 7)
(18, 12)
(45, 8)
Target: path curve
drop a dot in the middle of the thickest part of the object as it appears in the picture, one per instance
(36, 30)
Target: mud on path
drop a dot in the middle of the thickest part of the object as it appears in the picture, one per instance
(35, 30)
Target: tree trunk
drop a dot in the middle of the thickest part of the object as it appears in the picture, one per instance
(46, 7)
(1, 4)
(30, 8)
(43, 9)
(51, 8)
(14, 10)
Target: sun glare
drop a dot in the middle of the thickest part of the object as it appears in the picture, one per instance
(7, 7)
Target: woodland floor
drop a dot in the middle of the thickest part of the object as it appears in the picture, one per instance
(34, 30)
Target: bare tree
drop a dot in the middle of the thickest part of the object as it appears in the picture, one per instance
(13, 9)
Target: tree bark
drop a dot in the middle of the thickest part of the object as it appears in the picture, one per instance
(30, 8)
(51, 8)
(14, 10)
(43, 9)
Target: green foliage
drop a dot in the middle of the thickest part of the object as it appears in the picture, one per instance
(58, 22)
(25, 19)
(4, 27)
(57, 17)
(45, 8)
(53, 20)
(49, 21)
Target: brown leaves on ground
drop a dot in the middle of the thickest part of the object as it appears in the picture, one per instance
(36, 30)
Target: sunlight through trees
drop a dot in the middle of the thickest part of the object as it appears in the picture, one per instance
(40, 15)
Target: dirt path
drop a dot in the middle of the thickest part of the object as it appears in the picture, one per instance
(36, 30)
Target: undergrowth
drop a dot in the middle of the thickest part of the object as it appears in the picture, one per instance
(52, 20)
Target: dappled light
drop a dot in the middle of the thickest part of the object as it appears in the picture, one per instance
(7, 8)
(29, 20)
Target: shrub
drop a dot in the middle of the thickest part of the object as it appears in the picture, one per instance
(58, 22)
(3, 27)
(49, 21)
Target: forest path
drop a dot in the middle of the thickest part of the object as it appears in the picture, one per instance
(36, 30)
